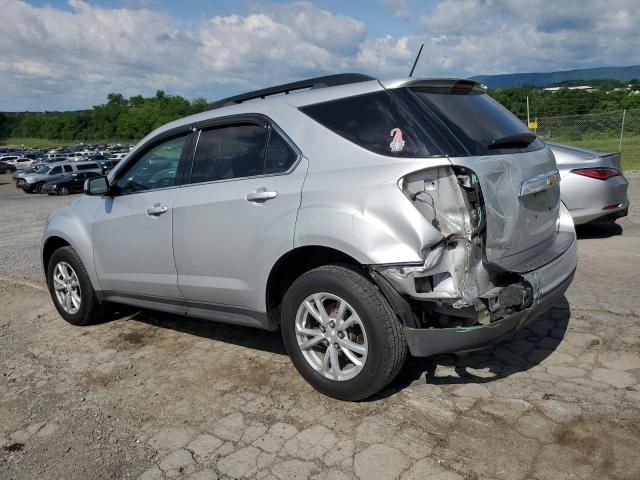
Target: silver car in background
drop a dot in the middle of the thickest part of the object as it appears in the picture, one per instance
(593, 187)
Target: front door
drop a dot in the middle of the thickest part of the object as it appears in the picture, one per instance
(132, 229)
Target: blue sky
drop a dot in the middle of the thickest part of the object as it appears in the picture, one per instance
(60, 55)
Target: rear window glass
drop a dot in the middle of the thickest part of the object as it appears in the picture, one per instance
(422, 123)
(87, 166)
(280, 156)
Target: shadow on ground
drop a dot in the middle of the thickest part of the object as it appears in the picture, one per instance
(524, 350)
(592, 231)
(236, 335)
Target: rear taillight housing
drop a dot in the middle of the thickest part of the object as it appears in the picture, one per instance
(597, 173)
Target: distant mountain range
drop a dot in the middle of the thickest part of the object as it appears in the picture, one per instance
(550, 78)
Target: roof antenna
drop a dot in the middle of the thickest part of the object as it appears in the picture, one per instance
(416, 60)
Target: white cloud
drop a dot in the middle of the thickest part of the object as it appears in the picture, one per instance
(500, 36)
(399, 8)
(63, 59)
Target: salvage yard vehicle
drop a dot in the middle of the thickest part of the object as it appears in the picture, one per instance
(69, 183)
(7, 168)
(593, 187)
(35, 181)
(363, 218)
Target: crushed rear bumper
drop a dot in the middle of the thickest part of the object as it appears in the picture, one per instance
(549, 285)
(426, 342)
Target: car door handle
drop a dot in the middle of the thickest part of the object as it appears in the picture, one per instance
(156, 210)
(260, 195)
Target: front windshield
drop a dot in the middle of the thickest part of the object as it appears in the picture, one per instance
(43, 169)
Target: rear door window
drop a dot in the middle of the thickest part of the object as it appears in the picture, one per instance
(228, 152)
(87, 166)
(280, 157)
(67, 168)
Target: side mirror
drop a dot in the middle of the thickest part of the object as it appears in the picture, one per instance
(96, 186)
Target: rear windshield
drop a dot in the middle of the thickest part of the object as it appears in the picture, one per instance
(424, 122)
(87, 166)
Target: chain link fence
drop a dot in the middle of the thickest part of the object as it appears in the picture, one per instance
(613, 131)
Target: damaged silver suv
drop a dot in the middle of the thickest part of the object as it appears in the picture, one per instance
(363, 218)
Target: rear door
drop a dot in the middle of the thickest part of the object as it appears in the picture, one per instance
(237, 214)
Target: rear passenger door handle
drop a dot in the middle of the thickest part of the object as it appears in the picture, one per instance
(156, 210)
(261, 195)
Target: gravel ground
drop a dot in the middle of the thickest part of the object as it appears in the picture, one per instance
(153, 396)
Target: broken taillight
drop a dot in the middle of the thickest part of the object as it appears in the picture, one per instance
(597, 173)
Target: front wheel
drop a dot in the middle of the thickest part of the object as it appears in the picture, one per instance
(341, 334)
(71, 289)
(39, 188)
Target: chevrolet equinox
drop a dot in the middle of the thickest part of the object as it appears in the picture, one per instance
(363, 218)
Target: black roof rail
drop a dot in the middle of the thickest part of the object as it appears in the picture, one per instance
(311, 83)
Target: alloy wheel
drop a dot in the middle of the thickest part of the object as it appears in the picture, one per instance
(67, 288)
(331, 336)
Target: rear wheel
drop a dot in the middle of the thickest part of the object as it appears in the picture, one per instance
(341, 334)
(71, 289)
(64, 191)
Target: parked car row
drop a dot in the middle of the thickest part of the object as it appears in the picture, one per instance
(61, 178)
(24, 159)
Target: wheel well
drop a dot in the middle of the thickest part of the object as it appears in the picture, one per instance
(293, 264)
(50, 246)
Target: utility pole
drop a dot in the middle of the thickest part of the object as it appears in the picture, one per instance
(624, 112)
(528, 119)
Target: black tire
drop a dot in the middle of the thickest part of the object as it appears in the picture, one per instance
(90, 309)
(63, 191)
(39, 188)
(387, 348)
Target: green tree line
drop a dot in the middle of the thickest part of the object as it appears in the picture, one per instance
(565, 102)
(133, 118)
(118, 118)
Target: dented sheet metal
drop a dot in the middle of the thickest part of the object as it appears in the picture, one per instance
(518, 227)
(451, 267)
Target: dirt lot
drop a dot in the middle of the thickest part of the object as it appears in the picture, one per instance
(153, 396)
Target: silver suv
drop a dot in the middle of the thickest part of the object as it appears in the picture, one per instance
(363, 218)
(34, 182)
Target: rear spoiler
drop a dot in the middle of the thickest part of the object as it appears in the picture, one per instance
(454, 86)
